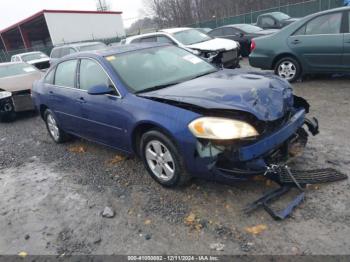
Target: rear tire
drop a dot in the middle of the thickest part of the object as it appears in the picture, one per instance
(288, 68)
(56, 133)
(162, 160)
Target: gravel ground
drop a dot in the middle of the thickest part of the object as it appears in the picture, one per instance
(52, 196)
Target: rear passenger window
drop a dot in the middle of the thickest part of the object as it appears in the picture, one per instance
(216, 32)
(65, 74)
(324, 25)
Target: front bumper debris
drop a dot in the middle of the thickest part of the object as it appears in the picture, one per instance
(267, 144)
(287, 179)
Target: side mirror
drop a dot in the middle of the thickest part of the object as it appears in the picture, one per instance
(100, 90)
(241, 34)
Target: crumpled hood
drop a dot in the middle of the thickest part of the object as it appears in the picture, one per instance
(264, 95)
(215, 44)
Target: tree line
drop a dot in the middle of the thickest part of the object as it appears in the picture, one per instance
(174, 13)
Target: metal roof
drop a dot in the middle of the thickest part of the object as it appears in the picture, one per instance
(42, 12)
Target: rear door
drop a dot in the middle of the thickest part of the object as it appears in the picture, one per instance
(346, 56)
(319, 43)
(63, 96)
(103, 115)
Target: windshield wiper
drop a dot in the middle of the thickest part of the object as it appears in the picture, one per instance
(154, 88)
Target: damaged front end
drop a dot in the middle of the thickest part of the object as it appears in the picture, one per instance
(279, 141)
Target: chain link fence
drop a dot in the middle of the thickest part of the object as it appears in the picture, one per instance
(294, 10)
(6, 56)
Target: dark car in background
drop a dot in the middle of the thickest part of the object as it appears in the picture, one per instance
(274, 20)
(183, 116)
(319, 43)
(242, 33)
(63, 50)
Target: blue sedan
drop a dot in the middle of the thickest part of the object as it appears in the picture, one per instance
(181, 115)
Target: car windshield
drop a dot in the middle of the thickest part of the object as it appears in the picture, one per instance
(191, 36)
(249, 28)
(33, 56)
(92, 47)
(281, 16)
(155, 68)
(15, 69)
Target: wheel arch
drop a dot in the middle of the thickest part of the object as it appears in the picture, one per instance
(143, 127)
(42, 110)
(283, 55)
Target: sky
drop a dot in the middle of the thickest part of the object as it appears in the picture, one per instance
(12, 11)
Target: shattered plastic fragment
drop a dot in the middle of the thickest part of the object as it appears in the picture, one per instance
(22, 254)
(256, 230)
(116, 160)
(77, 149)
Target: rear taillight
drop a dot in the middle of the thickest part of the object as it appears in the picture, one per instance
(252, 45)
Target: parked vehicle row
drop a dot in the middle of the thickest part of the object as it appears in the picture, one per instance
(241, 33)
(220, 52)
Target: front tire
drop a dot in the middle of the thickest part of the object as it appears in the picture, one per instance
(57, 134)
(288, 68)
(162, 160)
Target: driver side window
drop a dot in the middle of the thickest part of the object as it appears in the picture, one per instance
(92, 74)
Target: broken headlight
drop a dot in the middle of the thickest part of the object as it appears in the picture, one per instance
(221, 128)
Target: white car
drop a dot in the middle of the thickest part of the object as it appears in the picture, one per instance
(221, 52)
(37, 59)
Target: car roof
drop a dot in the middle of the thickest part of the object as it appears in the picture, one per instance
(115, 50)
(78, 44)
(238, 25)
(174, 30)
(130, 38)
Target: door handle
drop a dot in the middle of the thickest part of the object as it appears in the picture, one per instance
(81, 100)
(296, 41)
(51, 92)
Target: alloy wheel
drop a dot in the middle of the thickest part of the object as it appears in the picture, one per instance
(53, 128)
(287, 70)
(160, 160)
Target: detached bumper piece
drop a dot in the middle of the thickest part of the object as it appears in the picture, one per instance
(289, 179)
